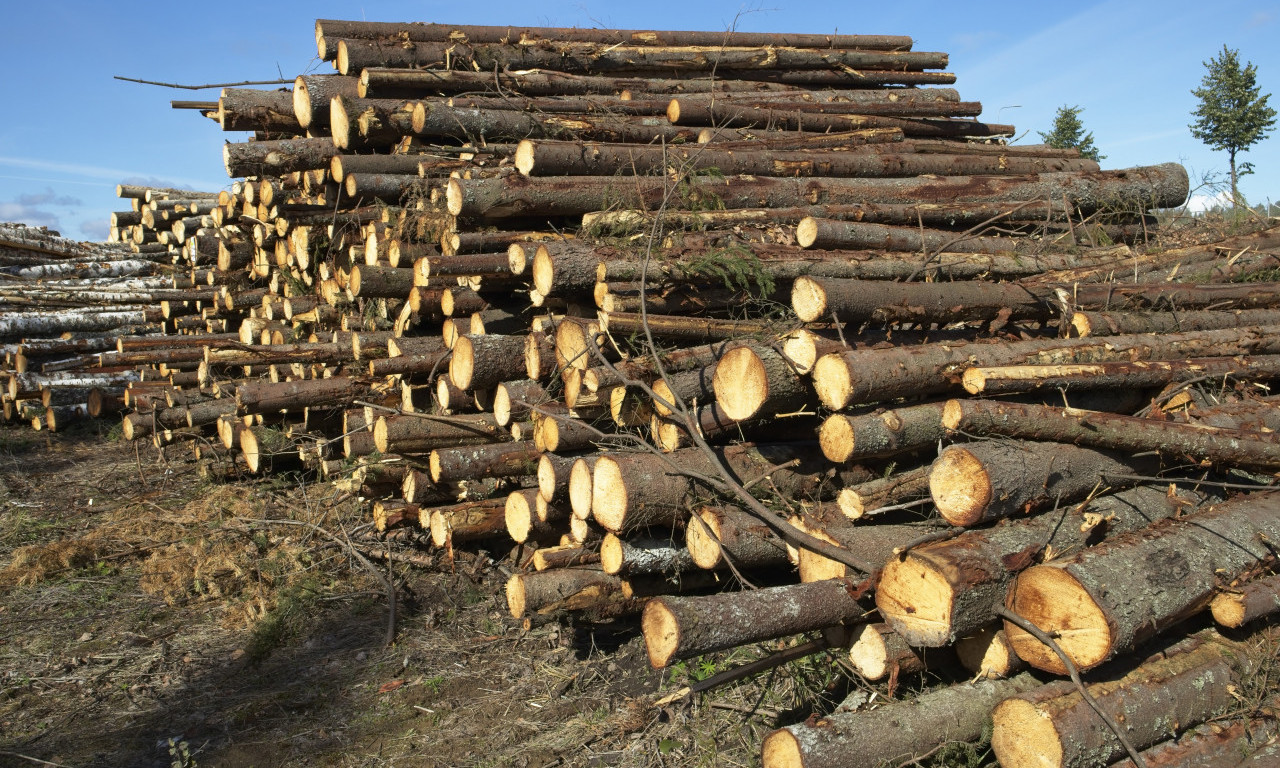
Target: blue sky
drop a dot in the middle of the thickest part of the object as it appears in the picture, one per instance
(70, 132)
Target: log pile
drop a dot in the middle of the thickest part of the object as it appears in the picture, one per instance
(467, 278)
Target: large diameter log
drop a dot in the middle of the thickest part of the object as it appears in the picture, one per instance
(479, 362)
(983, 481)
(1113, 323)
(680, 627)
(753, 379)
(462, 123)
(868, 738)
(1155, 186)
(937, 593)
(499, 460)
(267, 397)
(869, 375)
(330, 30)
(858, 301)
(884, 433)
(247, 109)
(1054, 726)
(409, 433)
(1237, 606)
(1113, 431)
(468, 521)
(312, 95)
(1142, 374)
(1108, 598)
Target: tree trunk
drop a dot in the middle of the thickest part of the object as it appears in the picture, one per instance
(468, 521)
(409, 433)
(312, 95)
(1116, 375)
(681, 627)
(274, 158)
(247, 109)
(1234, 607)
(754, 380)
(499, 460)
(870, 375)
(877, 652)
(859, 301)
(860, 500)
(1154, 186)
(723, 533)
(867, 738)
(979, 482)
(643, 557)
(1113, 431)
(1113, 323)
(571, 588)
(268, 397)
(1115, 595)
(480, 362)
(883, 433)
(938, 593)
(1054, 726)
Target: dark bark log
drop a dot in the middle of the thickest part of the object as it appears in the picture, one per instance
(468, 521)
(860, 500)
(273, 158)
(1112, 431)
(857, 739)
(979, 482)
(246, 109)
(1118, 594)
(724, 115)
(1234, 607)
(267, 397)
(413, 434)
(567, 556)
(500, 460)
(501, 125)
(873, 544)
(861, 376)
(883, 433)
(727, 533)
(376, 281)
(571, 588)
(1054, 726)
(681, 627)
(684, 330)
(859, 301)
(943, 591)
(1135, 188)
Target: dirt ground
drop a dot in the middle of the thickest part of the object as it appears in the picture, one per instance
(150, 618)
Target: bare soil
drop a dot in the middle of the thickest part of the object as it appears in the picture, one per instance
(150, 618)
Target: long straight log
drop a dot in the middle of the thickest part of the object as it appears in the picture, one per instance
(1029, 378)
(499, 460)
(273, 158)
(860, 500)
(247, 109)
(1113, 431)
(268, 397)
(408, 433)
(937, 593)
(501, 125)
(858, 301)
(312, 95)
(868, 738)
(860, 376)
(736, 116)
(1110, 605)
(1134, 189)
(680, 627)
(1053, 726)
(1113, 323)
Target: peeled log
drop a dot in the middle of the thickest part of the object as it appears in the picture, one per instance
(869, 375)
(1053, 726)
(1109, 598)
(870, 738)
(979, 482)
(680, 627)
(937, 593)
(1112, 431)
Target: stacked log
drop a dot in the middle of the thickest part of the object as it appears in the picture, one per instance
(468, 276)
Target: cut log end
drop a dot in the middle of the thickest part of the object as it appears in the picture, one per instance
(301, 102)
(868, 653)
(339, 124)
(960, 486)
(608, 494)
(1023, 736)
(808, 299)
(833, 382)
(453, 197)
(524, 157)
(1080, 325)
(974, 381)
(611, 555)
(1054, 601)
(544, 271)
(836, 438)
(546, 478)
(741, 383)
(580, 491)
(953, 412)
(1228, 610)
(661, 633)
(916, 601)
(516, 596)
(462, 363)
(807, 232)
(702, 539)
(518, 517)
(781, 749)
(989, 655)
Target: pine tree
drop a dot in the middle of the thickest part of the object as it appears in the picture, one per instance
(1233, 112)
(1068, 133)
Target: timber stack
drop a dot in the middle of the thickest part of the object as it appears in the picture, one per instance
(681, 311)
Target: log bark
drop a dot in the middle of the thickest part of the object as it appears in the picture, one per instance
(861, 376)
(468, 521)
(723, 533)
(312, 95)
(883, 433)
(412, 434)
(681, 627)
(273, 158)
(248, 109)
(754, 379)
(268, 397)
(859, 301)
(485, 361)
(571, 588)
(728, 115)
(938, 593)
(863, 499)
(1115, 432)
(1113, 323)
(1234, 607)
(1030, 378)
(1054, 726)
(499, 460)
(984, 481)
(643, 557)
(1119, 593)
(894, 731)
(1155, 186)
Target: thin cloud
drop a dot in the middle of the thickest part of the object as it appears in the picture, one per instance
(48, 197)
(94, 229)
(30, 215)
(1260, 19)
(95, 172)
